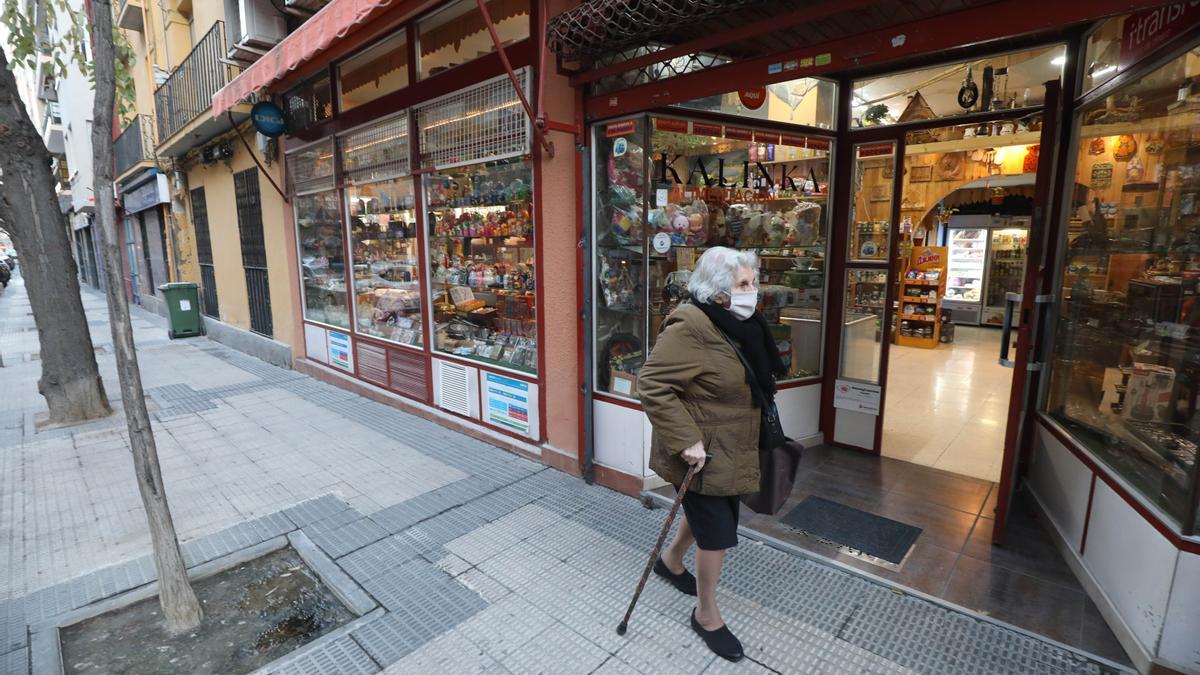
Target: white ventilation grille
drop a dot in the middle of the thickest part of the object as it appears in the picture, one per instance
(454, 388)
(310, 169)
(377, 151)
(480, 124)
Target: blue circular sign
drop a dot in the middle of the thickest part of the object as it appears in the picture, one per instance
(268, 119)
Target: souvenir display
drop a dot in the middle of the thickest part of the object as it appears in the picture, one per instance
(1122, 373)
(1124, 148)
(322, 260)
(711, 187)
(384, 257)
(481, 256)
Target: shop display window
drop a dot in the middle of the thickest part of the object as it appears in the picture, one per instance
(998, 81)
(457, 33)
(1125, 368)
(385, 260)
(379, 70)
(702, 185)
(809, 101)
(871, 206)
(308, 103)
(620, 319)
(481, 257)
(322, 260)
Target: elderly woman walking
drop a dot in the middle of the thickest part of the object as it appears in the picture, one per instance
(699, 394)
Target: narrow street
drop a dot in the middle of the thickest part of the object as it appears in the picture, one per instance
(476, 560)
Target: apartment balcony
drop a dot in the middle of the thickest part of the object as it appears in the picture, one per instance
(131, 15)
(134, 148)
(183, 101)
(52, 130)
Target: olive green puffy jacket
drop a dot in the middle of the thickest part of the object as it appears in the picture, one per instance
(693, 388)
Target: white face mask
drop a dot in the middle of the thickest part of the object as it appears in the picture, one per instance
(742, 304)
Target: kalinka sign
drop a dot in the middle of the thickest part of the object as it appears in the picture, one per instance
(711, 172)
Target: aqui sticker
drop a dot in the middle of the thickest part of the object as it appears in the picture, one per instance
(620, 147)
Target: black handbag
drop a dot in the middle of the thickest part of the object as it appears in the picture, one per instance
(778, 455)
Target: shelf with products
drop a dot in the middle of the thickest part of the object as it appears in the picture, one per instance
(920, 302)
(385, 260)
(869, 240)
(483, 264)
(322, 258)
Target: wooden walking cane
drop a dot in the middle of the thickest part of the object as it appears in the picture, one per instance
(683, 488)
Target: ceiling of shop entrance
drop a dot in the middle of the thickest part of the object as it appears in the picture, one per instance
(603, 32)
(1015, 79)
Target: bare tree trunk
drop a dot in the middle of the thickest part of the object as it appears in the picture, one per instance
(179, 603)
(70, 381)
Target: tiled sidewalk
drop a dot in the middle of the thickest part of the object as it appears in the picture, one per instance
(476, 560)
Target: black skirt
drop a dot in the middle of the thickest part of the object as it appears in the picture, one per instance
(714, 520)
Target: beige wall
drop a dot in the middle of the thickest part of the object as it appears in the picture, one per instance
(559, 228)
(217, 180)
(204, 14)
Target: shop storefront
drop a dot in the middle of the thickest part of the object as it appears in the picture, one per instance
(87, 255)
(143, 200)
(413, 177)
(1055, 219)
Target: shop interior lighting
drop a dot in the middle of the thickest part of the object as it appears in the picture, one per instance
(370, 144)
(1058, 60)
(472, 115)
(1103, 70)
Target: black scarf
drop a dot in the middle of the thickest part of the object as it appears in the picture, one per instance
(754, 336)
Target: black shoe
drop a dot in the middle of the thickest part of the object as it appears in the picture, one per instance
(721, 641)
(684, 581)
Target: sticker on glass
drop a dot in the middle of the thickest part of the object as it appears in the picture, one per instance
(620, 147)
(662, 242)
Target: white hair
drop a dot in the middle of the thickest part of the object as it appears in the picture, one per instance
(715, 271)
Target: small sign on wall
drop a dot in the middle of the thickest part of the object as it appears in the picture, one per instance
(856, 396)
(510, 404)
(339, 350)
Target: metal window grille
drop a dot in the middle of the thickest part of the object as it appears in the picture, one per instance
(249, 215)
(200, 223)
(377, 151)
(483, 123)
(310, 169)
(208, 291)
(666, 69)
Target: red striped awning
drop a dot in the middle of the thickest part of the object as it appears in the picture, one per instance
(335, 21)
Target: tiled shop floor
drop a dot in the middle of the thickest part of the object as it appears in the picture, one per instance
(477, 560)
(947, 407)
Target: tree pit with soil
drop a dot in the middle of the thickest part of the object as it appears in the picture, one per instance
(254, 613)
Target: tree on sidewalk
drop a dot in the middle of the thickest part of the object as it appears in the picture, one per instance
(179, 603)
(70, 379)
(180, 606)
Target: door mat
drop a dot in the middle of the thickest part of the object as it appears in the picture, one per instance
(844, 526)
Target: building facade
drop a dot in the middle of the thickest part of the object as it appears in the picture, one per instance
(196, 206)
(487, 229)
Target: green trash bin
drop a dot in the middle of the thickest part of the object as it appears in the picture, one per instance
(183, 309)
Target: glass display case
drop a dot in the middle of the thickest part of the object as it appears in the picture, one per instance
(1125, 370)
(481, 258)
(385, 261)
(322, 259)
(669, 189)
